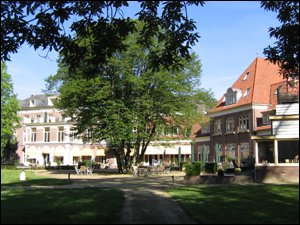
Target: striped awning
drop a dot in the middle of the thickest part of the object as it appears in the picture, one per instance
(154, 150)
(31, 151)
(87, 152)
(100, 152)
(76, 153)
(59, 152)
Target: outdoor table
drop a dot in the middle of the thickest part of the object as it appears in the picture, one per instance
(22, 174)
(140, 170)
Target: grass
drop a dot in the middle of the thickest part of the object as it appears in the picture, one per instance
(240, 204)
(60, 206)
(12, 178)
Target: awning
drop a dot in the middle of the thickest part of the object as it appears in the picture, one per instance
(46, 151)
(31, 151)
(100, 152)
(185, 150)
(59, 152)
(76, 153)
(154, 150)
(87, 152)
(31, 157)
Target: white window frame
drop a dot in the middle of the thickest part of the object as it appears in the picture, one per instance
(33, 134)
(60, 134)
(205, 129)
(47, 134)
(200, 153)
(246, 92)
(243, 122)
(218, 126)
(230, 148)
(244, 150)
(266, 119)
(246, 76)
(230, 125)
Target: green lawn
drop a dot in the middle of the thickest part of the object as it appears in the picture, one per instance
(12, 178)
(60, 206)
(240, 204)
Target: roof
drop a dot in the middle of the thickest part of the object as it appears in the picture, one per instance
(41, 100)
(263, 73)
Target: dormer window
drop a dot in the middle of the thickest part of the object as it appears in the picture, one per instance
(246, 76)
(32, 103)
(232, 96)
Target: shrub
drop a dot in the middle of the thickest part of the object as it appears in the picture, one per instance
(183, 164)
(194, 169)
(211, 167)
(229, 159)
(226, 165)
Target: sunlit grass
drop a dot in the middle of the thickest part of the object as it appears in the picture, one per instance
(250, 204)
(60, 206)
(12, 178)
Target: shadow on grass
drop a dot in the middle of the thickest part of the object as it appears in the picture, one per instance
(60, 206)
(255, 204)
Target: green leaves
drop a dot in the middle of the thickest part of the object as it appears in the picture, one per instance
(9, 108)
(285, 52)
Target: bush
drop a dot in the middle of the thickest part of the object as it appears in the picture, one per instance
(194, 169)
(211, 167)
(183, 164)
(83, 163)
(226, 165)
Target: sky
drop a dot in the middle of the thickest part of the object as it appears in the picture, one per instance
(232, 34)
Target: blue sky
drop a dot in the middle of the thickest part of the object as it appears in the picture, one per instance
(231, 35)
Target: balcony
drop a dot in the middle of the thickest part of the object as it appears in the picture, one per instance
(50, 119)
(288, 95)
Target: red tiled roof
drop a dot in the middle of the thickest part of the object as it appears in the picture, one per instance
(263, 128)
(263, 73)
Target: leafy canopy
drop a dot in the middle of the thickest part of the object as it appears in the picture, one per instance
(285, 52)
(9, 108)
(42, 24)
(127, 102)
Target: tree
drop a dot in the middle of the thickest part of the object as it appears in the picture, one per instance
(286, 49)
(127, 102)
(9, 108)
(42, 24)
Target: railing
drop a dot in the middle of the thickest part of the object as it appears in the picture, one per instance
(51, 119)
(288, 95)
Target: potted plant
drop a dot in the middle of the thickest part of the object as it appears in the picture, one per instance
(238, 171)
(221, 172)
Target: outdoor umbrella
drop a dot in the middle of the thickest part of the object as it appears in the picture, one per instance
(217, 153)
(204, 154)
(179, 156)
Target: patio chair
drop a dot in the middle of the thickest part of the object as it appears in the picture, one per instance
(167, 170)
(89, 171)
(77, 171)
(161, 170)
(134, 172)
(83, 170)
(149, 171)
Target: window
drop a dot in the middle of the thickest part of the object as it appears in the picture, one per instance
(24, 137)
(47, 134)
(73, 137)
(32, 103)
(218, 127)
(244, 147)
(246, 92)
(33, 135)
(187, 131)
(230, 98)
(205, 129)
(246, 76)
(200, 153)
(266, 119)
(243, 123)
(230, 125)
(230, 152)
(60, 134)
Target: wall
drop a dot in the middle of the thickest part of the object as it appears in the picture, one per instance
(270, 174)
